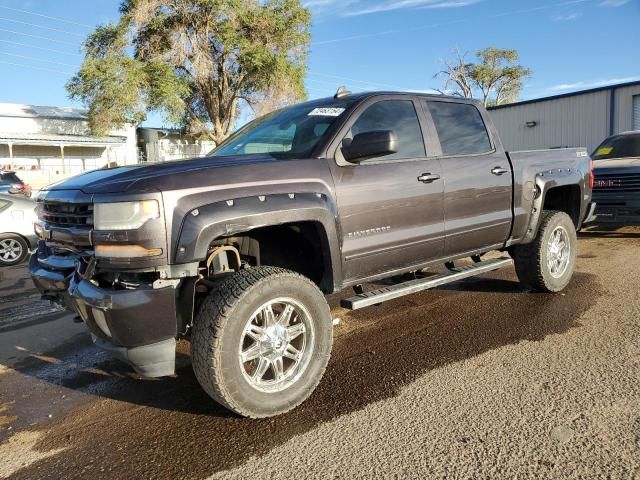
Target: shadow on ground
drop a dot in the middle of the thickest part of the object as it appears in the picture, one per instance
(184, 434)
(609, 232)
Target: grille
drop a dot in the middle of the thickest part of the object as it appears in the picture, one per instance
(618, 182)
(68, 214)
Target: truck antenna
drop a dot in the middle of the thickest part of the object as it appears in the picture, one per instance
(342, 92)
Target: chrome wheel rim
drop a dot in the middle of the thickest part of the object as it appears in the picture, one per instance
(558, 252)
(276, 345)
(10, 250)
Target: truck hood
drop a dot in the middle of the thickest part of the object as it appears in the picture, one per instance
(617, 165)
(140, 178)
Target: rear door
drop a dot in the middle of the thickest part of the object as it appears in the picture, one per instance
(391, 207)
(477, 179)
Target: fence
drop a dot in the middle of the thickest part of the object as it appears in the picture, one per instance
(41, 171)
(163, 150)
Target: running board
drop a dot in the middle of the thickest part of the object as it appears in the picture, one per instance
(412, 286)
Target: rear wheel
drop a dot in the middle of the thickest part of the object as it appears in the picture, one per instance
(547, 263)
(13, 249)
(262, 341)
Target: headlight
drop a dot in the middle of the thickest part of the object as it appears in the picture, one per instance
(124, 215)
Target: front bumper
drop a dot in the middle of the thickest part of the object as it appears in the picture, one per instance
(618, 211)
(52, 276)
(137, 325)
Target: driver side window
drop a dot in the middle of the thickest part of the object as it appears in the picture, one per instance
(398, 116)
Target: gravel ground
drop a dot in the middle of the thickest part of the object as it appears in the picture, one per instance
(476, 380)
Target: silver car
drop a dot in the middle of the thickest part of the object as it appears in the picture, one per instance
(17, 235)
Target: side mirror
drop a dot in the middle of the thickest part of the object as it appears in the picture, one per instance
(371, 144)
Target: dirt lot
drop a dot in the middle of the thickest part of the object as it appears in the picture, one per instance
(476, 380)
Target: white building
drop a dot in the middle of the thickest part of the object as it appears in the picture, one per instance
(46, 144)
(166, 144)
(579, 119)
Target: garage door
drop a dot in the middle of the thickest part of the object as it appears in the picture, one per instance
(636, 112)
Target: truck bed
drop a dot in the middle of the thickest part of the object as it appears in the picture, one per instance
(533, 168)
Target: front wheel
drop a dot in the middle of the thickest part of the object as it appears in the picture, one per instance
(547, 263)
(13, 249)
(261, 341)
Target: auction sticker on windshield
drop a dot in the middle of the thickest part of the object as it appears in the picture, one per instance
(604, 150)
(326, 112)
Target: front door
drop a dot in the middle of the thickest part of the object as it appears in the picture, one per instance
(390, 207)
(478, 183)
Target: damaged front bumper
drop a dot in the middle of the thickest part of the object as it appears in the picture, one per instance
(136, 325)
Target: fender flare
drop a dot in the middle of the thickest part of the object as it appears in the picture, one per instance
(545, 182)
(206, 223)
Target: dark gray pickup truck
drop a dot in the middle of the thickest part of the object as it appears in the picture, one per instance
(236, 251)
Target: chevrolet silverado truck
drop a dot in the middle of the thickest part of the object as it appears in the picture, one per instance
(235, 252)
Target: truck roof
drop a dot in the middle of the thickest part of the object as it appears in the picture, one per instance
(364, 95)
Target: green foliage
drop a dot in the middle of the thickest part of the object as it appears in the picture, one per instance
(193, 60)
(496, 77)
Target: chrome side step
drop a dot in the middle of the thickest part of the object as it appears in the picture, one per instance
(412, 286)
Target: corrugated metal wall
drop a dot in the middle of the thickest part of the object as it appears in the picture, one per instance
(581, 120)
(624, 107)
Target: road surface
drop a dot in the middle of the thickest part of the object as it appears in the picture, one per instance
(477, 380)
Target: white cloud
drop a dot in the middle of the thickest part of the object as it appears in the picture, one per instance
(453, 4)
(319, 6)
(613, 3)
(409, 4)
(352, 8)
(314, 4)
(591, 84)
(566, 17)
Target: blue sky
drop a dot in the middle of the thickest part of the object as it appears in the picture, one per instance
(365, 44)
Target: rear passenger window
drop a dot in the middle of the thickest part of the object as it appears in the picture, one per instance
(460, 128)
(398, 116)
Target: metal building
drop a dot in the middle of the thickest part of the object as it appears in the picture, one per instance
(579, 119)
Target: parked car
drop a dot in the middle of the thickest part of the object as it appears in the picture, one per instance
(616, 187)
(236, 251)
(17, 235)
(11, 183)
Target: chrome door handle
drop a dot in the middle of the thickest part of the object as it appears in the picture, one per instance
(499, 171)
(428, 178)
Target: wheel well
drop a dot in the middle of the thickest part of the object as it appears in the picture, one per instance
(301, 247)
(565, 199)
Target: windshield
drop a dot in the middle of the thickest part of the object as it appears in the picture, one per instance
(289, 133)
(619, 146)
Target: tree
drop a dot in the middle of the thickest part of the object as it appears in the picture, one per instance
(496, 77)
(194, 61)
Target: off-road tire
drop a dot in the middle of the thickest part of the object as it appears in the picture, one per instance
(217, 332)
(20, 243)
(531, 259)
